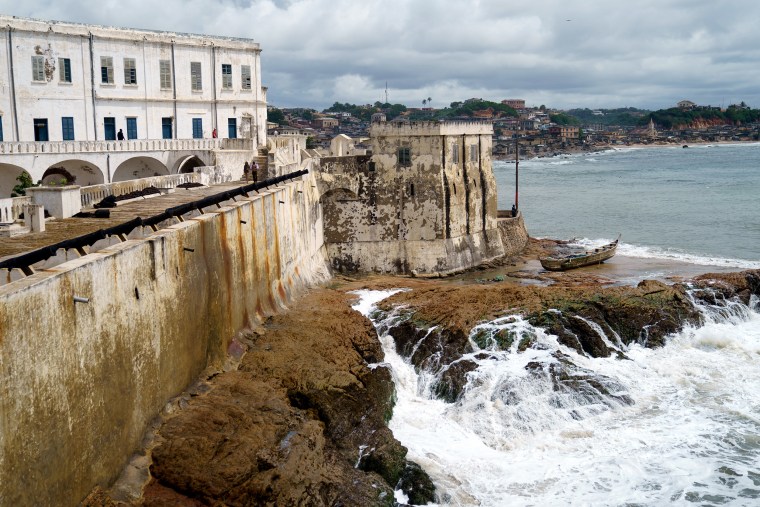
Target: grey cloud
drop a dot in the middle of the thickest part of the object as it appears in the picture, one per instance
(650, 53)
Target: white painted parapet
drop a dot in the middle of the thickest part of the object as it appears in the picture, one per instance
(11, 148)
(12, 207)
(95, 193)
(60, 202)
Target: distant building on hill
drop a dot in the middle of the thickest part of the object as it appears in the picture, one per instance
(686, 104)
(325, 123)
(514, 103)
(565, 131)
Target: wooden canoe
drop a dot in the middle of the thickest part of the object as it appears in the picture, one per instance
(596, 256)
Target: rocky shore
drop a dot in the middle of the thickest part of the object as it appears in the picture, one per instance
(299, 414)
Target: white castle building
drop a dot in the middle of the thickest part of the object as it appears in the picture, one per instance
(69, 92)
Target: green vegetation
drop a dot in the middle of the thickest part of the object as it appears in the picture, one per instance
(674, 117)
(626, 117)
(275, 116)
(564, 119)
(366, 111)
(24, 182)
(393, 111)
(469, 107)
(303, 113)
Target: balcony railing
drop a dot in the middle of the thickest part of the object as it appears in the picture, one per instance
(96, 193)
(136, 145)
(11, 208)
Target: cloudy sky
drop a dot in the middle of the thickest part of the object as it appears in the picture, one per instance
(565, 54)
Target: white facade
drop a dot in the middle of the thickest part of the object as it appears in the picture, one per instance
(62, 80)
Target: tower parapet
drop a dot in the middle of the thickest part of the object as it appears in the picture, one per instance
(430, 128)
(423, 203)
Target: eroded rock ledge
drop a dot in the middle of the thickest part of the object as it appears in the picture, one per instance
(433, 325)
(302, 421)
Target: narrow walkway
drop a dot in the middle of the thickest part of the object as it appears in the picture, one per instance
(57, 230)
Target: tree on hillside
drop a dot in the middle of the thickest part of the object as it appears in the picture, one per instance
(275, 116)
(564, 119)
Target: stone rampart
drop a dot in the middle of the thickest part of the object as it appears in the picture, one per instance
(91, 350)
(432, 258)
(430, 128)
(514, 235)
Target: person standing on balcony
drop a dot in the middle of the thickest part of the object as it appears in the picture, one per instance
(120, 135)
(214, 134)
(255, 171)
(246, 171)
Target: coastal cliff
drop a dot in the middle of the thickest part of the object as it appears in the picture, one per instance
(302, 415)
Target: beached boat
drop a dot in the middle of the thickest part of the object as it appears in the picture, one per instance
(596, 256)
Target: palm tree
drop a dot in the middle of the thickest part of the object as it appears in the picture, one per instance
(430, 100)
(424, 102)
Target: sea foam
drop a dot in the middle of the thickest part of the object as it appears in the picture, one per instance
(690, 435)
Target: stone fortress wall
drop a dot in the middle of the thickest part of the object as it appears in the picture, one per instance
(423, 202)
(82, 380)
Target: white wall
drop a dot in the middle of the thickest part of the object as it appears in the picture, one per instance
(146, 100)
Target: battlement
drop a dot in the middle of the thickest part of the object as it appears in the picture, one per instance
(430, 128)
(22, 24)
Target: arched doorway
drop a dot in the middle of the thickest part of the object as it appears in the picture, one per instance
(139, 167)
(73, 172)
(188, 164)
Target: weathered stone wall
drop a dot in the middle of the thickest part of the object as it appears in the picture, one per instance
(431, 258)
(514, 235)
(431, 214)
(81, 381)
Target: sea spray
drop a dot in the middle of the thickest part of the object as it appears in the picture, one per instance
(677, 424)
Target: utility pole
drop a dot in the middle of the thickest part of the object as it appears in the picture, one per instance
(517, 173)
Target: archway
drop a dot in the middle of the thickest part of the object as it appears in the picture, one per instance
(188, 164)
(139, 167)
(8, 178)
(58, 175)
(75, 172)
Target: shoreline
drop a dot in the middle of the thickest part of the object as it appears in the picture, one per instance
(618, 147)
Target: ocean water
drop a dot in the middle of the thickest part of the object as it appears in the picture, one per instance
(699, 204)
(691, 435)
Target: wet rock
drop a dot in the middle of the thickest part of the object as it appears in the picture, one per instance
(416, 485)
(452, 380)
(287, 426)
(740, 286)
(583, 386)
(386, 456)
(429, 348)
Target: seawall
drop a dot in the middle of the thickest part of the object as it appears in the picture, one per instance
(514, 235)
(81, 380)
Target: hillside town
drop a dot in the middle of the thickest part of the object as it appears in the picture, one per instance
(537, 131)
